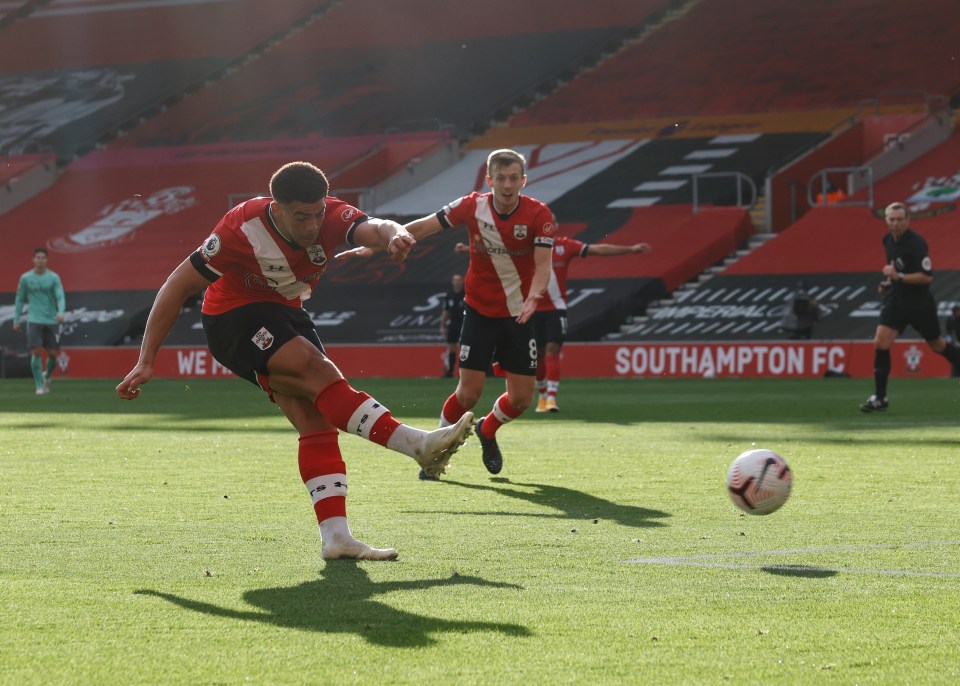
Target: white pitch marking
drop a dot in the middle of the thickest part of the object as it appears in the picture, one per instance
(700, 560)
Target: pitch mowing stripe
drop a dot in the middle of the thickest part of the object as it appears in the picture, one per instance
(700, 560)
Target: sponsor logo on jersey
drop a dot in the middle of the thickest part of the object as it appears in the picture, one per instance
(520, 231)
(349, 214)
(486, 226)
(927, 264)
(263, 339)
(548, 228)
(274, 268)
(485, 247)
(210, 248)
(464, 352)
(316, 254)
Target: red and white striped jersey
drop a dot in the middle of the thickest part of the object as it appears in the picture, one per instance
(564, 250)
(501, 250)
(248, 260)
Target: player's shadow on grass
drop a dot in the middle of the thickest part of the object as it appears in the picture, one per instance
(569, 503)
(341, 602)
(800, 570)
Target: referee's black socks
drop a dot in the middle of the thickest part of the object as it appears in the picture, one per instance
(881, 372)
(952, 353)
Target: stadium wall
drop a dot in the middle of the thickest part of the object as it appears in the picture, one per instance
(754, 359)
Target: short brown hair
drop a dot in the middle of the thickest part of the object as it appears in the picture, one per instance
(299, 182)
(505, 157)
(897, 206)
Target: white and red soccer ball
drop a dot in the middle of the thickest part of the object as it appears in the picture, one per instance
(759, 481)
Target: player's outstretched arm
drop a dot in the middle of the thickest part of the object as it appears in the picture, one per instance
(380, 234)
(423, 227)
(610, 250)
(184, 282)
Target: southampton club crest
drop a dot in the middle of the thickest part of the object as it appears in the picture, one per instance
(464, 352)
(316, 254)
(519, 231)
(913, 355)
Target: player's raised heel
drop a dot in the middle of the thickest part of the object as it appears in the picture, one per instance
(492, 457)
(542, 404)
(440, 445)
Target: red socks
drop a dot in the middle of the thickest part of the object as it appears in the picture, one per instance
(502, 413)
(452, 411)
(553, 366)
(324, 474)
(356, 412)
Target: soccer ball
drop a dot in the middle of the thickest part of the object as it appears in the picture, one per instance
(759, 481)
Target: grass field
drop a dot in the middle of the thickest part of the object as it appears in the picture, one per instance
(170, 540)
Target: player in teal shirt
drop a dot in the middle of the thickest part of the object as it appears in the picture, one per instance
(42, 290)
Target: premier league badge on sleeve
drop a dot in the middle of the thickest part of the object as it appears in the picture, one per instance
(210, 248)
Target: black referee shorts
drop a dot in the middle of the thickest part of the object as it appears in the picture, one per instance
(921, 314)
(244, 339)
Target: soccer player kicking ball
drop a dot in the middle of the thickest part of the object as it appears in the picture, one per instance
(511, 239)
(260, 263)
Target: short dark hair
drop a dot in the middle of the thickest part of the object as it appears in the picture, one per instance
(37, 251)
(299, 182)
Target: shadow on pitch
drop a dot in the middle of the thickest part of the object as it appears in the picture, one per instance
(800, 570)
(342, 602)
(569, 503)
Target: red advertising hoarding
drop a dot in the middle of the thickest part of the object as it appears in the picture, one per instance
(772, 359)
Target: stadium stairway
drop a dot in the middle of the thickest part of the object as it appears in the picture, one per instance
(634, 324)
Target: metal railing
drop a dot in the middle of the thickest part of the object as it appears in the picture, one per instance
(822, 175)
(740, 178)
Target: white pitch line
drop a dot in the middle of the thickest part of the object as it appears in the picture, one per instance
(699, 560)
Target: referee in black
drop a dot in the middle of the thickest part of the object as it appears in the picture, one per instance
(451, 321)
(908, 274)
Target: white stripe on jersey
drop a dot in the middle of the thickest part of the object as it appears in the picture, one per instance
(273, 265)
(364, 417)
(553, 290)
(502, 262)
(327, 486)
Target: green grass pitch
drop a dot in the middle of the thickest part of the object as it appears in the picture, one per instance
(170, 540)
